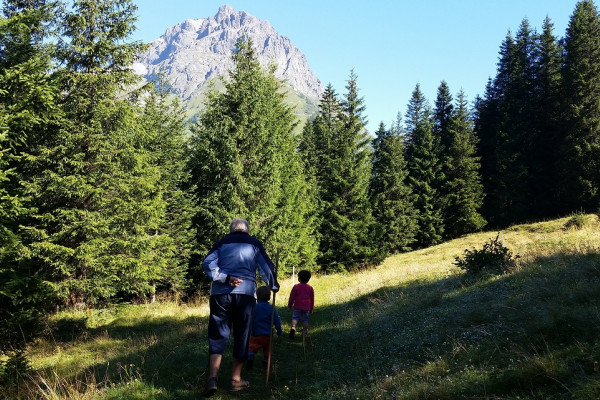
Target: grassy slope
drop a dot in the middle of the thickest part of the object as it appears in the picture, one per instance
(409, 329)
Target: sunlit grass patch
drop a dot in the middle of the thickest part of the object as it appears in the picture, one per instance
(407, 329)
(136, 390)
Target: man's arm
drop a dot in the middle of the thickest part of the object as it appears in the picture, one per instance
(211, 268)
(266, 271)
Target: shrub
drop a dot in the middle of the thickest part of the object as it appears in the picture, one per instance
(577, 221)
(493, 258)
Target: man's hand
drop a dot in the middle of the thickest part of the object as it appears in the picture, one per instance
(235, 281)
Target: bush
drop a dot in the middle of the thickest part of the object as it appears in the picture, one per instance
(577, 221)
(493, 258)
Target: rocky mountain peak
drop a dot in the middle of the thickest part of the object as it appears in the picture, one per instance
(198, 50)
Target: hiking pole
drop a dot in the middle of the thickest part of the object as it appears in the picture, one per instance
(272, 319)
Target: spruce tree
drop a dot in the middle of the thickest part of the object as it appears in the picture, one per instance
(485, 125)
(245, 164)
(27, 115)
(514, 91)
(506, 131)
(391, 197)
(163, 121)
(581, 96)
(347, 220)
(463, 182)
(337, 146)
(98, 195)
(546, 126)
(443, 115)
(424, 169)
(316, 148)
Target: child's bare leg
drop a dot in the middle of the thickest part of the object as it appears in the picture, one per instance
(305, 329)
(293, 328)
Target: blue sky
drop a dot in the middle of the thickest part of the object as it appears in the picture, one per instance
(392, 45)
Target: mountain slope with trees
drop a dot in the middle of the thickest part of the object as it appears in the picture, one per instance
(106, 198)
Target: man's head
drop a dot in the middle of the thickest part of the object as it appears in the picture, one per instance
(263, 293)
(239, 225)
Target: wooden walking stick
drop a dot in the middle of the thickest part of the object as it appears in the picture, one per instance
(272, 319)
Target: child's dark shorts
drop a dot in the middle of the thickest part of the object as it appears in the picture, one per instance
(300, 315)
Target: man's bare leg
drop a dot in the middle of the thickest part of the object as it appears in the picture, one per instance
(215, 364)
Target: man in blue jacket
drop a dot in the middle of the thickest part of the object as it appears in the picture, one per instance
(231, 266)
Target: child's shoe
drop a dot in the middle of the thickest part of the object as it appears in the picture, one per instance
(292, 333)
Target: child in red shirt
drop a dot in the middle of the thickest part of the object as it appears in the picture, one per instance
(302, 301)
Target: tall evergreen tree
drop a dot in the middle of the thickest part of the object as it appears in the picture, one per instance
(342, 165)
(316, 145)
(581, 96)
(464, 189)
(443, 116)
(97, 193)
(347, 219)
(27, 115)
(424, 169)
(485, 125)
(391, 197)
(546, 121)
(245, 164)
(163, 121)
(506, 130)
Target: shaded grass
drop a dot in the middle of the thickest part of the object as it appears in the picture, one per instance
(411, 328)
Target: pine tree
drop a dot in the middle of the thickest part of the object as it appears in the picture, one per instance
(98, 196)
(464, 189)
(27, 115)
(581, 96)
(510, 185)
(443, 115)
(347, 219)
(318, 142)
(424, 169)
(245, 164)
(391, 197)
(442, 118)
(485, 124)
(163, 121)
(337, 146)
(506, 131)
(546, 126)
(316, 149)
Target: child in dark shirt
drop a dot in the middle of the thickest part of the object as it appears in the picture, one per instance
(261, 326)
(302, 301)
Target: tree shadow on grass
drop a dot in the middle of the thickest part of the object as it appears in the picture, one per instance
(496, 337)
(520, 331)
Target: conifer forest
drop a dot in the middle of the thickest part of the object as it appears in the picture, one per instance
(108, 192)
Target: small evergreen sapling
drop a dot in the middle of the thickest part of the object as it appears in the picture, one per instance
(493, 258)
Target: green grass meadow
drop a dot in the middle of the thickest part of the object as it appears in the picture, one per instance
(412, 328)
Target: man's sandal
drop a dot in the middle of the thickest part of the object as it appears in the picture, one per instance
(239, 385)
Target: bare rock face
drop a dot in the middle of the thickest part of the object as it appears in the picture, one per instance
(198, 50)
